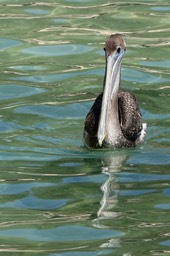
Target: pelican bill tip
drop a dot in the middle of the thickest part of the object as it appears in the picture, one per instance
(100, 141)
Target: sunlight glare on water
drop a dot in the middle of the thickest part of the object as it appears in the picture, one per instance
(56, 196)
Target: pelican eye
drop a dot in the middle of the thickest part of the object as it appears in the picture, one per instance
(118, 50)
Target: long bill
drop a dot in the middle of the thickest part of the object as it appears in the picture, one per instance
(110, 93)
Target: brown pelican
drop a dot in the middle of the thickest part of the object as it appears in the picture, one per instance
(114, 119)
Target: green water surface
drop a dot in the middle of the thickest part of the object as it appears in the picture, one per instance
(57, 198)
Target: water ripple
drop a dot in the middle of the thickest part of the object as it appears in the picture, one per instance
(63, 233)
(37, 11)
(57, 50)
(9, 91)
(6, 43)
(32, 202)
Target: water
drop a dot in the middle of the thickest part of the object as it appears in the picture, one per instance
(56, 196)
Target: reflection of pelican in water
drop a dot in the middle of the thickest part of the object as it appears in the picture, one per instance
(114, 119)
(111, 189)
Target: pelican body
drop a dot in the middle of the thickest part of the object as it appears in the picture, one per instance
(114, 119)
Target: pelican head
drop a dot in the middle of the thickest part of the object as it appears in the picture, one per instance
(115, 48)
